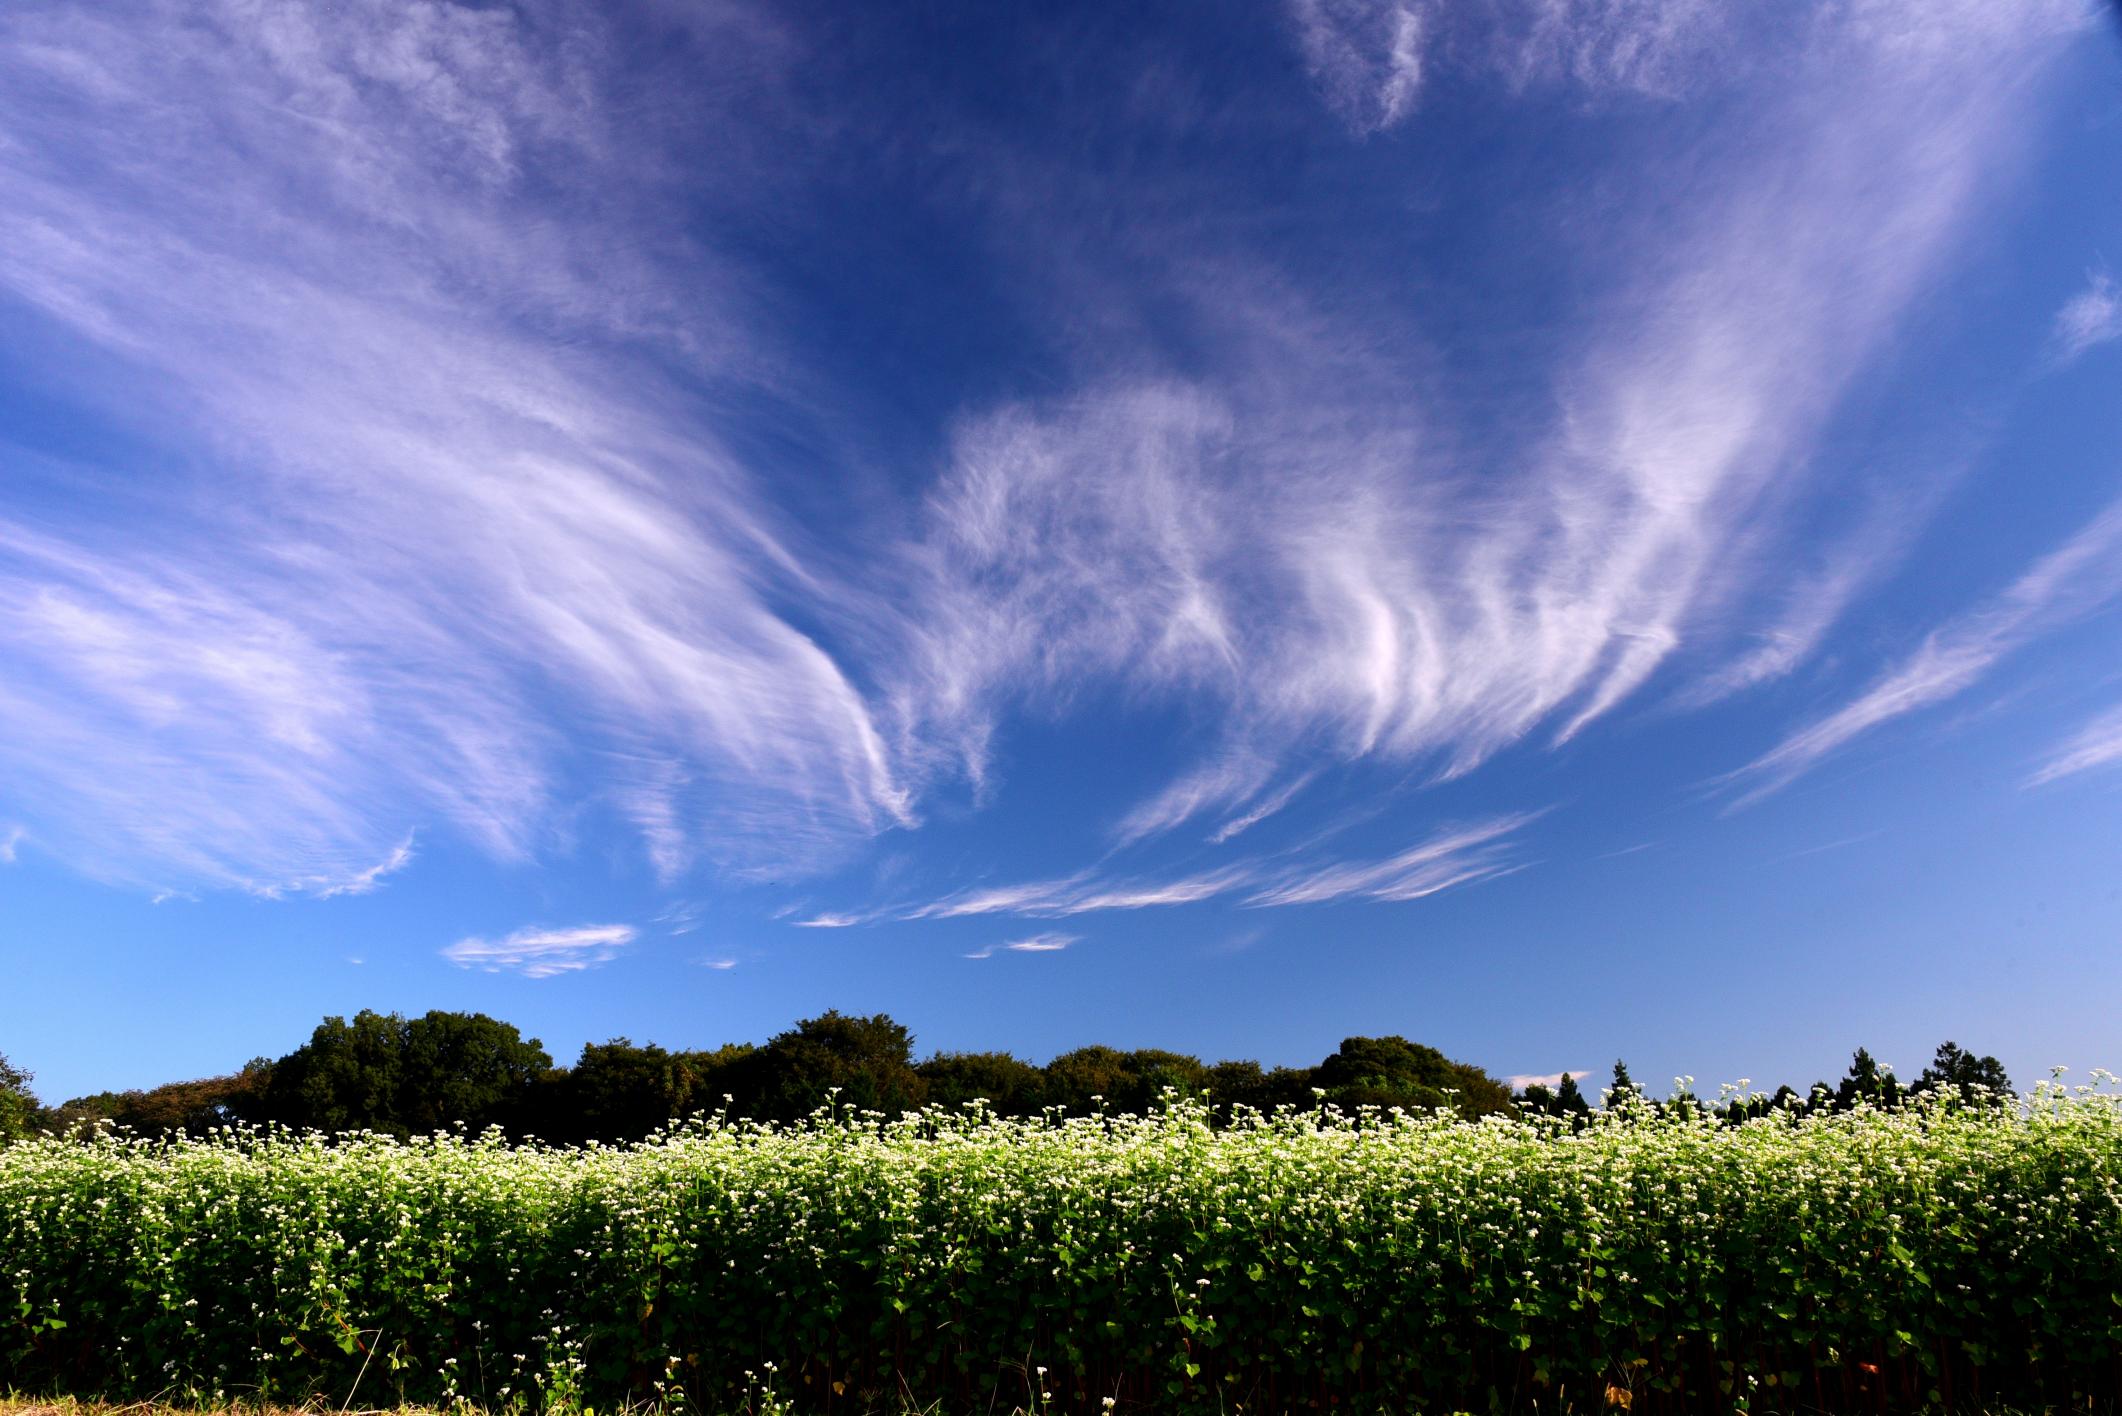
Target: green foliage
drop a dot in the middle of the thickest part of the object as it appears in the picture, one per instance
(1975, 1080)
(1093, 1078)
(1925, 1258)
(1565, 1099)
(19, 1112)
(195, 1107)
(401, 1077)
(1867, 1084)
(835, 1059)
(1391, 1071)
(1009, 1086)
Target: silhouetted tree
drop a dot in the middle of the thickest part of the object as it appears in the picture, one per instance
(1564, 1099)
(616, 1092)
(869, 1061)
(1867, 1083)
(1009, 1085)
(1622, 1089)
(1975, 1079)
(1391, 1071)
(1569, 1098)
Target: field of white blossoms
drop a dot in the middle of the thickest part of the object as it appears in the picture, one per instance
(1941, 1257)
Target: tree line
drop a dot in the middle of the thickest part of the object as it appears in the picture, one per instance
(404, 1076)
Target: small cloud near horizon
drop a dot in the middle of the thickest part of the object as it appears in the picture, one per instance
(1519, 1081)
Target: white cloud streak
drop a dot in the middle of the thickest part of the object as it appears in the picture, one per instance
(2070, 581)
(1083, 894)
(9, 839)
(1454, 855)
(1048, 943)
(2096, 745)
(543, 953)
(361, 882)
(1457, 856)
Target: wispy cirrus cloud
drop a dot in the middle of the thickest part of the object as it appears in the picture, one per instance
(1294, 543)
(361, 882)
(2091, 317)
(536, 952)
(1049, 943)
(1365, 55)
(1460, 855)
(1084, 894)
(1454, 855)
(340, 248)
(435, 327)
(2096, 745)
(2077, 577)
(1370, 58)
(10, 839)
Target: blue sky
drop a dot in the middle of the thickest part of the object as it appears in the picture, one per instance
(1557, 528)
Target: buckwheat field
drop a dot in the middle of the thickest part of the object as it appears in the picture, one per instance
(1937, 1256)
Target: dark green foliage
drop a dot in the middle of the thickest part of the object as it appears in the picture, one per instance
(1622, 1089)
(1868, 1084)
(19, 1112)
(1977, 1080)
(836, 1060)
(1565, 1099)
(614, 1092)
(401, 1077)
(194, 1107)
(1009, 1086)
(1391, 1071)
(1247, 1084)
(1091, 1078)
(1946, 1257)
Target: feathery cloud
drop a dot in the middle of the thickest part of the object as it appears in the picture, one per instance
(543, 953)
(1049, 943)
(362, 882)
(1366, 57)
(2091, 317)
(2072, 580)
(461, 528)
(1456, 856)
(2098, 744)
(348, 266)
